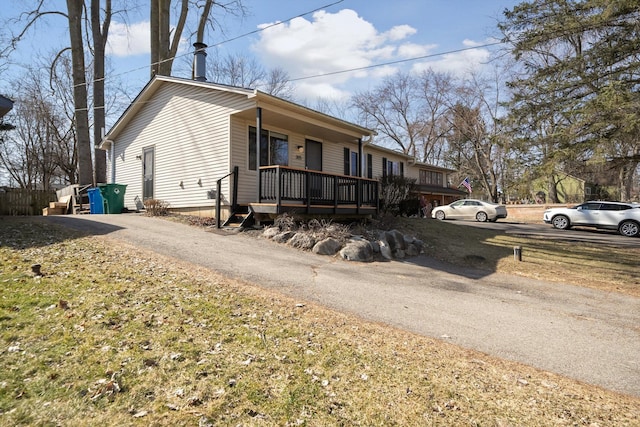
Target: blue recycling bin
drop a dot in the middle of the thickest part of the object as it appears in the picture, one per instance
(96, 202)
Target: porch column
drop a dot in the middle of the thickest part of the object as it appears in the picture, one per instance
(258, 138)
(359, 157)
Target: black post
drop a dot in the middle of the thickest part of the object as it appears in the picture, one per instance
(359, 157)
(517, 253)
(234, 201)
(218, 200)
(307, 185)
(258, 139)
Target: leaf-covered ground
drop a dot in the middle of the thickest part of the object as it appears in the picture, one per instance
(115, 336)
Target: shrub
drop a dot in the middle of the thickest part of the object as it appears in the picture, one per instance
(394, 190)
(285, 222)
(155, 207)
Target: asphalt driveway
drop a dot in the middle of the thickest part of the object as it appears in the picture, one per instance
(584, 334)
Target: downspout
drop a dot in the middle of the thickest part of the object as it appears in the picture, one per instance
(361, 143)
(113, 162)
(112, 151)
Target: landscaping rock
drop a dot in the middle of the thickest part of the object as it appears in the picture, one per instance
(395, 239)
(304, 241)
(412, 250)
(271, 232)
(399, 254)
(328, 246)
(357, 250)
(385, 249)
(390, 244)
(284, 236)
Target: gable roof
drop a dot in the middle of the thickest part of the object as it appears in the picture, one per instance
(261, 99)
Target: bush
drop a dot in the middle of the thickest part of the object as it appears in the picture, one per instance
(155, 207)
(394, 190)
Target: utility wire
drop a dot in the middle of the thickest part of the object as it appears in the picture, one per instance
(259, 30)
(399, 61)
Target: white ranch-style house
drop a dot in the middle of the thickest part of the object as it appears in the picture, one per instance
(193, 144)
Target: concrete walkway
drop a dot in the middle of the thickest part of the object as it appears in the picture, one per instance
(584, 334)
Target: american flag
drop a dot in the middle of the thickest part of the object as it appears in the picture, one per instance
(467, 184)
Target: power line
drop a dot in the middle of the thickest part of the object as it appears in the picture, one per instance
(259, 30)
(399, 61)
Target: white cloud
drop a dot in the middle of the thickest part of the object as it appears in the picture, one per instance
(333, 42)
(413, 50)
(458, 63)
(400, 32)
(330, 42)
(128, 40)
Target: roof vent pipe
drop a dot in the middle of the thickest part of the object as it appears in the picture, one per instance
(200, 62)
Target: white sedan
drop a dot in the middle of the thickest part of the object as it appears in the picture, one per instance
(470, 209)
(623, 217)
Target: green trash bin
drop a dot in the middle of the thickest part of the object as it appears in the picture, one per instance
(113, 195)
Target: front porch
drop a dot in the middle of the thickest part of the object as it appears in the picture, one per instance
(305, 192)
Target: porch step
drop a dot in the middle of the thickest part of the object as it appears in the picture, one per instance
(242, 217)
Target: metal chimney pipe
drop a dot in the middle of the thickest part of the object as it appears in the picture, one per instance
(200, 62)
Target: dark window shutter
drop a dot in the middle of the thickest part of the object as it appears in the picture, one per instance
(384, 167)
(347, 157)
(401, 168)
(369, 166)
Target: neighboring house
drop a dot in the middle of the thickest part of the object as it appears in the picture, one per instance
(434, 183)
(193, 144)
(569, 189)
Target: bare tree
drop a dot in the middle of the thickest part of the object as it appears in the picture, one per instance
(237, 70)
(32, 153)
(60, 84)
(85, 172)
(409, 112)
(99, 31)
(277, 83)
(165, 39)
(477, 144)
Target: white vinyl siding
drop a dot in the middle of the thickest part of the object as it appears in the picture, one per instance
(248, 180)
(189, 129)
(378, 155)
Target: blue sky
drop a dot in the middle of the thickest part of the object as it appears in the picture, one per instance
(348, 34)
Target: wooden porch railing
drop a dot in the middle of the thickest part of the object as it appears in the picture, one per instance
(281, 185)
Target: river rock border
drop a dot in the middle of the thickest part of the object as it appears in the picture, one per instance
(386, 245)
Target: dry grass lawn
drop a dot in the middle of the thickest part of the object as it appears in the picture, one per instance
(111, 335)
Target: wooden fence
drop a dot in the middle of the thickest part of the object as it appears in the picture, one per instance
(18, 201)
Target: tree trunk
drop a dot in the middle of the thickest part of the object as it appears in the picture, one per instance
(552, 197)
(154, 25)
(85, 166)
(99, 33)
(164, 46)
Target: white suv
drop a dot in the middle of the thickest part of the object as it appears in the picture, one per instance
(623, 217)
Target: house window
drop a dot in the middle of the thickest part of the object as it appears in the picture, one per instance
(354, 163)
(431, 178)
(350, 162)
(391, 168)
(274, 148)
